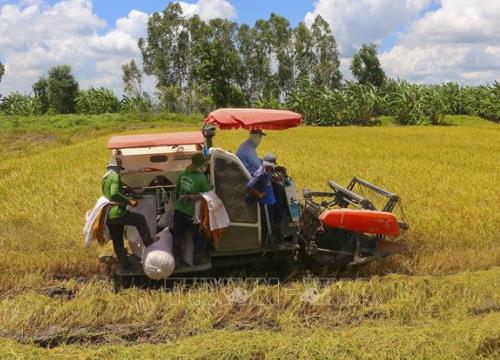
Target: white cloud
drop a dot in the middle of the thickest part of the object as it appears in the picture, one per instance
(356, 22)
(459, 21)
(209, 9)
(41, 36)
(133, 24)
(123, 39)
(458, 42)
(36, 35)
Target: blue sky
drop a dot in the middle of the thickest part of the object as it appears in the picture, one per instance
(423, 41)
(248, 10)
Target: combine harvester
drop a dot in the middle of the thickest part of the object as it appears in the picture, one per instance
(325, 232)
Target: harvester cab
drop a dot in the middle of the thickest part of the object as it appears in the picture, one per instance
(346, 229)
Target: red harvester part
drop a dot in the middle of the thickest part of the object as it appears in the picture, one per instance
(363, 221)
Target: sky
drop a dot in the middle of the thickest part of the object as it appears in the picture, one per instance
(422, 41)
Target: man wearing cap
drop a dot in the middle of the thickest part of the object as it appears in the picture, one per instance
(190, 183)
(118, 215)
(260, 189)
(247, 152)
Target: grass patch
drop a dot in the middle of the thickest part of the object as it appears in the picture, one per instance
(466, 339)
(451, 316)
(23, 135)
(82, 122)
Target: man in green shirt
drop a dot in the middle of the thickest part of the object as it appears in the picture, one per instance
(118, 215)
(190, 183)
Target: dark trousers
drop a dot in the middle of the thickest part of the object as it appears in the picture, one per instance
(182, 223)
(276, 215)
(116, 226)
(281, 212)
(275, 218)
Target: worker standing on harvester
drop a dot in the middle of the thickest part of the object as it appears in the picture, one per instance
(190, 183)
(118, 215)
(260, 188)
(247, 152)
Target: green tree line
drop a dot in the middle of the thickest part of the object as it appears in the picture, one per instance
(58, 92)
(407, 104)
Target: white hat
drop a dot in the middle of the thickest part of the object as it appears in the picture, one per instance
(269, 160)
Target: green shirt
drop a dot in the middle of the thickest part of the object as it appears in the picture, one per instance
(112, 189)
(190, 182)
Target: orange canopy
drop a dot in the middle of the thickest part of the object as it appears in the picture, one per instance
(253, 119)
(150, 140)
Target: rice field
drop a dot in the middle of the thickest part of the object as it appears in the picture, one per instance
(439, 300)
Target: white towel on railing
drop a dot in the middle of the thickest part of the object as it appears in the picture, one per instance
(217, 214)
(91, 217)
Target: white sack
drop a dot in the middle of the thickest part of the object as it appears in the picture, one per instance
(167, 218)
(158, 260)
(134, 241)
(146, 206)
(135, 244)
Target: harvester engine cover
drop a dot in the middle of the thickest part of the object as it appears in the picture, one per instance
(363, 221)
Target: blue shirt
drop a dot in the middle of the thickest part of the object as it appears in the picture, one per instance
(262, 182)
(247, 153)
